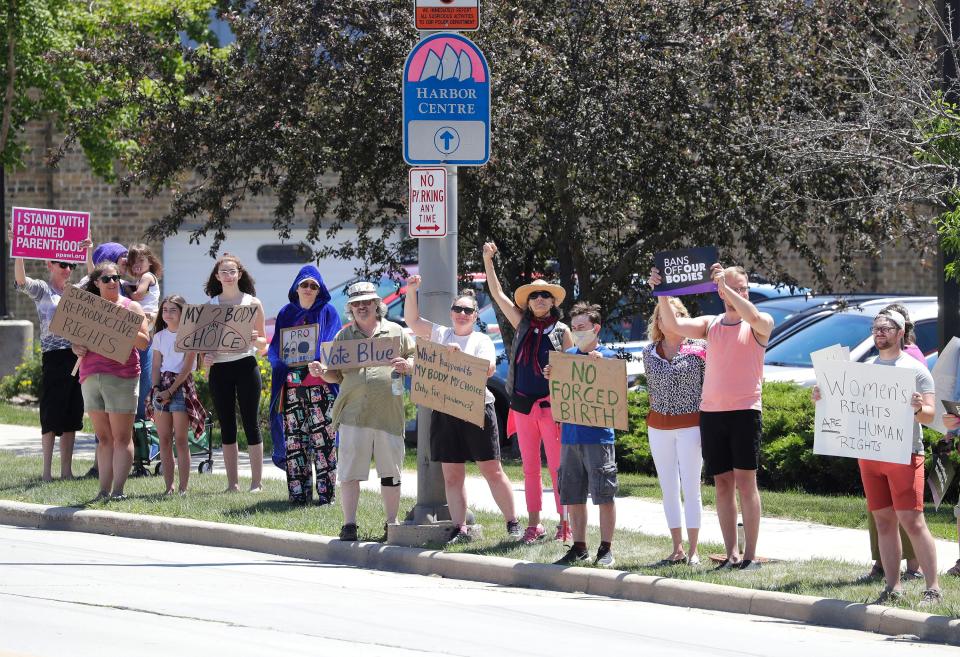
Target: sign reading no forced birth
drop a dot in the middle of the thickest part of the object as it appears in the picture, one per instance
(450, 381)
(589, 391)
(214, 328)
(95, 323)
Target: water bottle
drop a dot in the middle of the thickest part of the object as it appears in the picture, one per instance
(740, 538)
(396, 383)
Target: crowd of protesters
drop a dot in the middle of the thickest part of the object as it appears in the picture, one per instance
(704, 379)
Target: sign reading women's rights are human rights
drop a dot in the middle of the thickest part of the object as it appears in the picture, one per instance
(685, 271)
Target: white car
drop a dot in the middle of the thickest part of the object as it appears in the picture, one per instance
(788, 359)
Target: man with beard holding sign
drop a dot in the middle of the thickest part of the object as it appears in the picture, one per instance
(730, 408)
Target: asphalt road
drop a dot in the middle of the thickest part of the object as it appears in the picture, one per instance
(66, 593)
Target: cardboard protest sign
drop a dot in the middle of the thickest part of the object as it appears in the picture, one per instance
(298, 344)
(95, 323)
(213, 328)
(449, 381)
(833, 353)
(685, 271)
(354, 354)
(588, 390)
(945, 379)
(42, 234)
(864, 411)
(942, 471)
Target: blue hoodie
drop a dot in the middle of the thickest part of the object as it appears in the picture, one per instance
(292, 314)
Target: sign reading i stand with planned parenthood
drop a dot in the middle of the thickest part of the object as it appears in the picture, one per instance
(446, 102)
(428, 202)
(49, 234)
(446, 14)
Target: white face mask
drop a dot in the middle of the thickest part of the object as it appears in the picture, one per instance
(584, 339)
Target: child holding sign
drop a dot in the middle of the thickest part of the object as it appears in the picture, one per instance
(454, 441)
(587, 460)
(173, 401)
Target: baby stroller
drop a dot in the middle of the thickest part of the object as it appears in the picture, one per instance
(146, 448)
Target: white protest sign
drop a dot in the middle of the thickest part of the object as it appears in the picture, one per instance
(945, 380)
(298, 344)
(833, 353)
(864, 411)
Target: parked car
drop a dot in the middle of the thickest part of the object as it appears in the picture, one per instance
(791, 313)
(789, 358)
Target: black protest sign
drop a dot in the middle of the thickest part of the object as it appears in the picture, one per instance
(685, 271)
(215, 328)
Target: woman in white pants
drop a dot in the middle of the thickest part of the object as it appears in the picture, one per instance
(674, 368)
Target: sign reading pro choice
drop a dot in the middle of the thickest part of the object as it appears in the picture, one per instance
(589, 391)
(864, 411)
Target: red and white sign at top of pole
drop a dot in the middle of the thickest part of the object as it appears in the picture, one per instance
(428, 202)
(447, 15)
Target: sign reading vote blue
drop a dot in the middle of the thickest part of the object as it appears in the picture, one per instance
(446, 102)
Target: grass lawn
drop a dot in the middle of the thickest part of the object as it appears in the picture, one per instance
(635, 552)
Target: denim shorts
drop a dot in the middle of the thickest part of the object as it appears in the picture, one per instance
(177, 404)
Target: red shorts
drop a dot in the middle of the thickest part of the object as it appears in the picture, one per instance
(893, 484)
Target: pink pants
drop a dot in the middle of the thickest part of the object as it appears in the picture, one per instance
(531, 430)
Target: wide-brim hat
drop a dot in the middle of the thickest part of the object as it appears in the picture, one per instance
(524, 291)
(362, 291)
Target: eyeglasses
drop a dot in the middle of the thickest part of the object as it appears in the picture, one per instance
(740, 290)
(883, 330)
(463, 310)
(107, 278)
(309, 285)
(66, 265)
(229, 272)
(364, 302)
(540, 295)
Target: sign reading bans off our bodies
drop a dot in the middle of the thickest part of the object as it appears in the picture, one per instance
(354, 354)
(95, 323)
(864, 411)
(449, 381)
(685, 271)
(589, 391)
(213, 328)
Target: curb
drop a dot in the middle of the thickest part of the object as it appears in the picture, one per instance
(492, 570)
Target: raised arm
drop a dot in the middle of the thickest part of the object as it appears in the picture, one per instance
(506, 304)
(19, 272)
(694, 328)
(761, 323)
(411, 310)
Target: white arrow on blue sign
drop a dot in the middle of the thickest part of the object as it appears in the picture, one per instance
(446, 102)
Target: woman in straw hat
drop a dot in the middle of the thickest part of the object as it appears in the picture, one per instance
(535, 314)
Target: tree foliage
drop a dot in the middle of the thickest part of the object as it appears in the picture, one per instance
(620, 128)
(43, 78)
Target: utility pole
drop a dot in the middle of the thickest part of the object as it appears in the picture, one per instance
(948, 290)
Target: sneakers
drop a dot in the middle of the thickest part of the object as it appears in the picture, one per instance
(748, 564)
(514, 531)
(930, 598)
(573, 557)
(462, 536)
(533, 534)
(955, 569)
(564, 534)
(910, 575)
(890, 597)
(348, 532)
(604, 558)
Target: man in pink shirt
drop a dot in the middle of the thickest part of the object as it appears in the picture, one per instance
(730, 408)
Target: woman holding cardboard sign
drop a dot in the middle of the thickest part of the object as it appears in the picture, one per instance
(301, 404)
(535, 314)
(110, 390)
(235, 377)
(453, 441)
(61, 402)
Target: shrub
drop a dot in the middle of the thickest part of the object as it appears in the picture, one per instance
(26, 378)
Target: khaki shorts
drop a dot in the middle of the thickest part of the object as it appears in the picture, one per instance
(358, 445)
(113, 394)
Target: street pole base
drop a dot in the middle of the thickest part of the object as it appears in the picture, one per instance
(427, 535)
(425, 514)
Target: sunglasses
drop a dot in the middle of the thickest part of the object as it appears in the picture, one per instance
(463, 310)
(309, 285)
(540, 295)
(107, 279)
(66, 265)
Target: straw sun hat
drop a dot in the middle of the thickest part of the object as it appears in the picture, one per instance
(524, 291)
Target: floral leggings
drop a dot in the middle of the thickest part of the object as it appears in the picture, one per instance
(310, 443)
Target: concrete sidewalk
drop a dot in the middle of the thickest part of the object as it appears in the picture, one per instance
(779, 538)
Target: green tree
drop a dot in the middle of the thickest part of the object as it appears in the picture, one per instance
(43, 77)
(620, 128)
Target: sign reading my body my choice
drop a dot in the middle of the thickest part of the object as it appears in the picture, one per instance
(685, 271)
(49, 234)
(446, 102)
